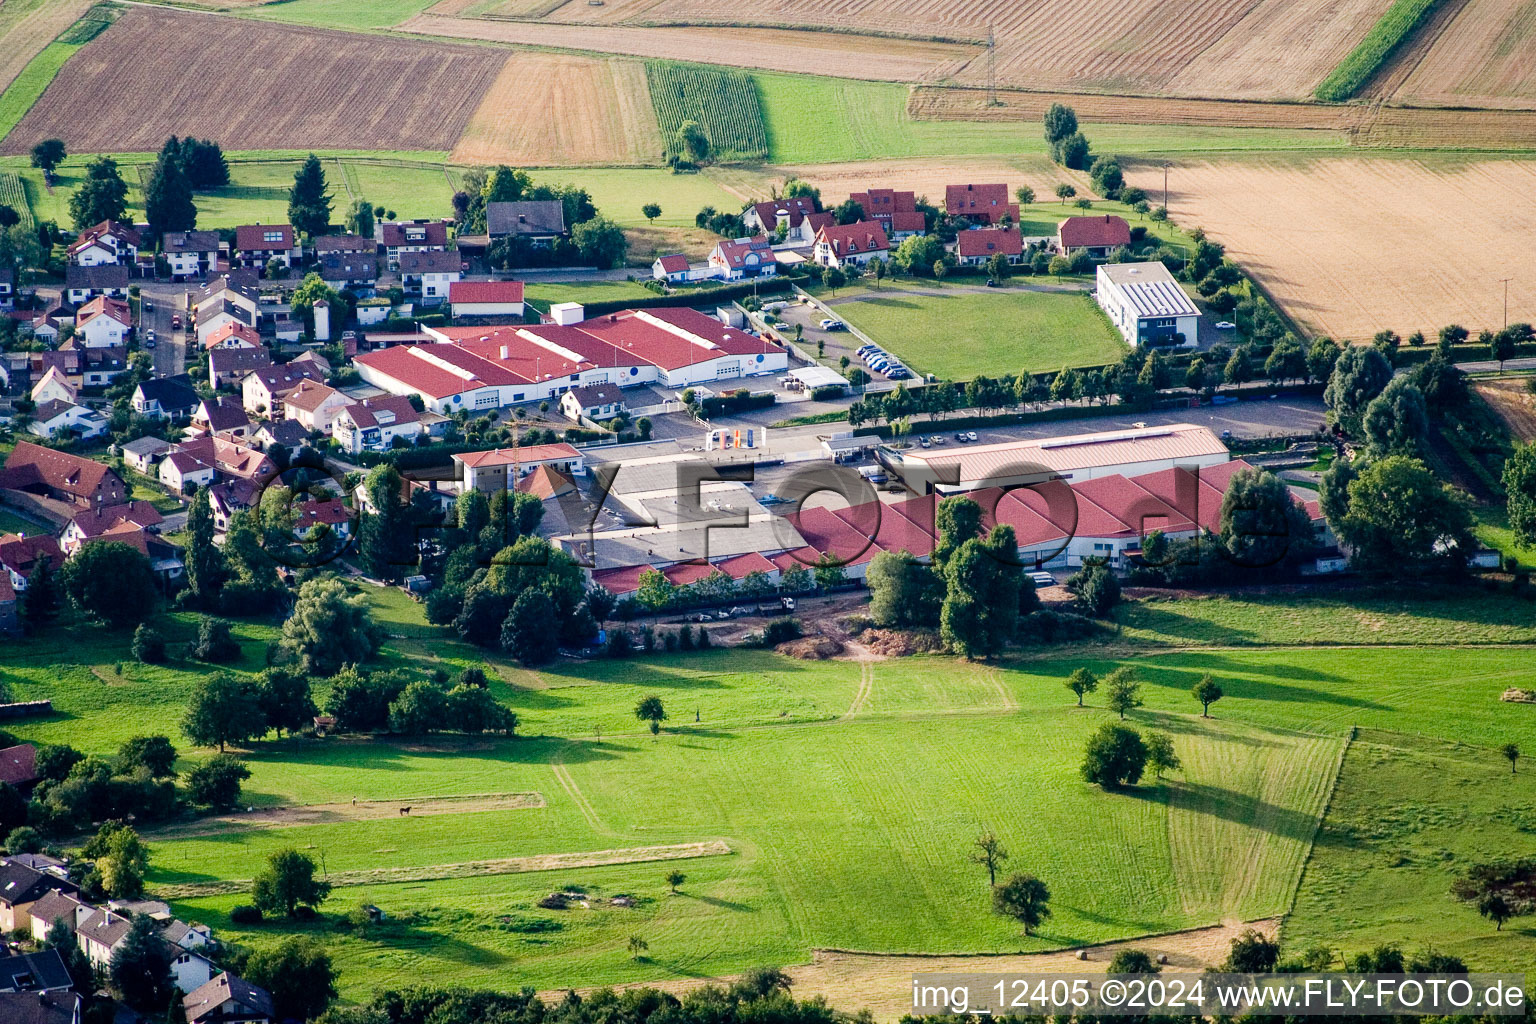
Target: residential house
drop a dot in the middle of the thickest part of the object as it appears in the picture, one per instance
(99, 366)
(53, 386)
(144, 454)
(895, 211)
(7, 288)
(190, 969)
(227, 366)
(347, 261)
(228, 999)
(429, 274)
(374, 424)
(53, 419)
(93, 524)
(190, 253)
(981, 205)
(1098, 236)
(743, 258)
(103, 322)
(99, 933)
(232, 334)
(107, 243)
(539, 221)
(22, 554)
(976, 247)
(400, 237)
(674, 268)
(228, 308)
(500, 469)
(838, 245)
(314, 406)
(258, 244)
(161, 398)
(592, 402)
(223, 415)
(84, 283)
(40, 1008)
(806, 233)
(21, 886)
(286, 434)
(61, 476)
(765, 218)
(43, 971)
(53, 906)
(331, 512)
(231, 496)
(45, 326)
(262, 390)
(486, 298)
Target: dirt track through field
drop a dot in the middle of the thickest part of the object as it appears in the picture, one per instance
(1350, 245)
(883, 983)
(360, 810)
(257, 85)
(473, 868)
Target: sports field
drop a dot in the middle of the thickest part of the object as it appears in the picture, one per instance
(956, 334)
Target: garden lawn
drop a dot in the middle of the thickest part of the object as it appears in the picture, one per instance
(956, 336)
(619, 192)
(1408, 817)
(540, 295)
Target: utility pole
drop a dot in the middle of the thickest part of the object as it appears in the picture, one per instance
(991, 68)
(1166, 164)
(1506, 299)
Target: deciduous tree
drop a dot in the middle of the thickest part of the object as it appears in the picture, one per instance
(297, 974)
(1122, 690)
(1207, 692)
(329, 629)
(1024, 898)
(223, 710)
(1115, 756)
(1161, 757)
(1082, 682)
(990, 853)
(288, 882)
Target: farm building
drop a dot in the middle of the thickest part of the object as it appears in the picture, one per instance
(840, 244)
(486, 298)
(1073, 458)
(1146, 304)
(1098, 236)
(974, 248)
(980, 204)
(486, 368)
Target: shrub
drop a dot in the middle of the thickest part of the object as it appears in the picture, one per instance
(781, 631)
(244, 913)
(148, 645)
(215, 642)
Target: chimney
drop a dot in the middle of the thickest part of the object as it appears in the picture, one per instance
(504, 352)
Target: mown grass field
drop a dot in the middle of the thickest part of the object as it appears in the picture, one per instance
(541, 295)
(846, 792)
(957, 335)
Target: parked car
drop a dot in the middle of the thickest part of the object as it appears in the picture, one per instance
(1225, 325)
(175, 319)
(828, 324)
(772, 499)
(991, 282)
(899, 373)
(923, 441)
(961, 437)
(971, 435)
(149, 342)
(938, 438)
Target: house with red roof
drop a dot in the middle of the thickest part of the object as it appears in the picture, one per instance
(767, 217)
(741, 258)
(375, 424)
(501, 468)
(1098, 236)
(978, 246)
(838, 245)
(402, 236)
(314, 405)
(256, 245)
(980, 204)
(233, 334)
(84, 483)
(104, 322)
(486, 298)
(331, 512)
(896, 211)
(22, 554)
(109, 243)
(98, 522)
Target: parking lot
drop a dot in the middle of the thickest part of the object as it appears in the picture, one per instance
(838, 343)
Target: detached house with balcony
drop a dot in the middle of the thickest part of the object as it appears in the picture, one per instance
(190, 254)
(838, 245)
(258, 244)
(429, 275)
(743, 258)
(374, 424)
(400, 237)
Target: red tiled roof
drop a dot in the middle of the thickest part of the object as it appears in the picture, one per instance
(1094, 232)
(485, 291)
(313, 513)
(885, 202)
(403, 365)
(987, 241)
(738, 567)
(248, 237)
(912, 221)
(309, 396)
(734, 254)
(684, 573)
(521, 456)
(97, 521)
(364, 413)
(18, 764)
(105, 305)
(30, 464)
(545, 482)
(865, 236)
(968, 200)
(21, 554)
(620, 581)
(233, 329)
(796, 209)
(673, 263)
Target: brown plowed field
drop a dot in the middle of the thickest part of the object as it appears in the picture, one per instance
(254, 85)
(1476, 53)
(812, 53)
(1370, 126)
(24, 31)
(1349, 246)
(1255, 49)
(591, 110)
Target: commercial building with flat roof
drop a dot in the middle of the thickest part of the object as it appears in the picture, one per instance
(1146, 304)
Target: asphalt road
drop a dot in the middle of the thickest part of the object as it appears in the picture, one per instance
(170, 349)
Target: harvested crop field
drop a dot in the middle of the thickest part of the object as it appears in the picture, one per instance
(811, 53)
(291, 816)
(1512, 400)
(25, 28)
(592, 110)
(319, 89)
(1474, 53)
(1349, 245)
(1268, 49)
(1366, 126)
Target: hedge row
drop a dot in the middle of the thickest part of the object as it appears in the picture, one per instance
(723, 294)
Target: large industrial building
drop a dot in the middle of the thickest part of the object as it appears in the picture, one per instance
(483, 368)
(1146, 304)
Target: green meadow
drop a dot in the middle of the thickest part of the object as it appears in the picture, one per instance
(847, 793)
